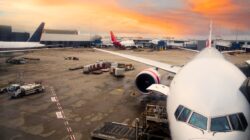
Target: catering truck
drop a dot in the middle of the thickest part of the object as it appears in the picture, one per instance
(16, 90)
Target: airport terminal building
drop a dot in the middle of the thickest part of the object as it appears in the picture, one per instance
(66, 38)
(6, 34)
(50, 37)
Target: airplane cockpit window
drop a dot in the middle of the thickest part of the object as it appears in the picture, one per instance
(232, 122)
(220, 124)
(235, 122)
(178, 111)
(198, 120)
(184, 115)
(243, 121)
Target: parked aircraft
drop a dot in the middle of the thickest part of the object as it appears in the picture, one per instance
(121, 44)
(207, 99)
(31, 44)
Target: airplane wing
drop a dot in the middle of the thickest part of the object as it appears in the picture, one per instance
(233, 51)
(160, 65)
(187, 49)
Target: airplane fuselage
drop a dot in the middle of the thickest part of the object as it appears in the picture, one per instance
(124, 44)
(19, 45)
(128, 43)
(119, 45)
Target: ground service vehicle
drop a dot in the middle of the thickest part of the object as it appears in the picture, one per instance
(16, 90)
(117, 69)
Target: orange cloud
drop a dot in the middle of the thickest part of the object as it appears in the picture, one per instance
(208, 7)
(231, 14)
(102, 16)
(90, 16)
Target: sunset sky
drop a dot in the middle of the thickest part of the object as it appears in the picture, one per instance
(178, 18)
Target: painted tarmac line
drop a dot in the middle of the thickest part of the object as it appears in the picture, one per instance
(66, 123)
(60, 114)
(59, 106)
(69, 129)
(72, 137)
(53, 99)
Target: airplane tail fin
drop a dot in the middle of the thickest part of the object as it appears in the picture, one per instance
(113, 38)
(209, 41)
(36, 37)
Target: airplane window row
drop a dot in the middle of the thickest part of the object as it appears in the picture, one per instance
(233, 122)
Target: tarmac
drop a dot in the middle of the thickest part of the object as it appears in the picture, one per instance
(74, 104)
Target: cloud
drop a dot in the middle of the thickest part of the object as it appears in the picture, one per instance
(88, 16)
(193, 16)
(165, 17)
(227, 13)
(210, 7)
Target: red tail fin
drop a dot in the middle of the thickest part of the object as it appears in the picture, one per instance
(113, 38)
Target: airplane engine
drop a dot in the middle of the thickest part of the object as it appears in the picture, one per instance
(146, 78)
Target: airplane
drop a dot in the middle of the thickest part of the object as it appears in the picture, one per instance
(207, 98)
(33, 43)
(121, 44)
